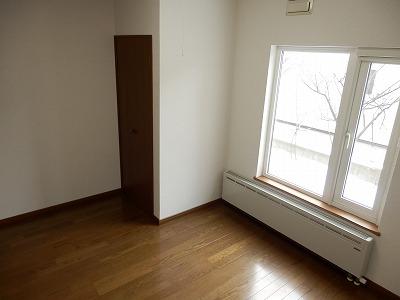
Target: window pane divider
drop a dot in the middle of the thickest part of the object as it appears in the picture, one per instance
(354, 112)
(339, 142)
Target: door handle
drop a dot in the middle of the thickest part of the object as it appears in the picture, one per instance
(133, 131)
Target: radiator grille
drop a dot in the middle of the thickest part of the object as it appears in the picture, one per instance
(315, 216)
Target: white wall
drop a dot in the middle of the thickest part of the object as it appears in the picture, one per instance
(142, 17)
(262, 23)
(196, 55)
(58, 121)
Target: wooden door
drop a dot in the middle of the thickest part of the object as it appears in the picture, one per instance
(133, 60)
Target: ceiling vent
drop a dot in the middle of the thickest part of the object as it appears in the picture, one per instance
(299, 7)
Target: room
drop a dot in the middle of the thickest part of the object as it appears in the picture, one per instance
(199, 149)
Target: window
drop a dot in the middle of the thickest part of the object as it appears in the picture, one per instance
(332, 129)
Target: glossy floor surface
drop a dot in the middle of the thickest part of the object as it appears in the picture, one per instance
(108, 251)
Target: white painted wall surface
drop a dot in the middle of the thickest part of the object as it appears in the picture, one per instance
(196, 56)
(142, 17)
(58, 120)
(262, 23)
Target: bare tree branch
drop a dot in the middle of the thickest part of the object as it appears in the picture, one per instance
(326, 97)
(382, 111)
(382, 101)
(339, 81)
(384, 93)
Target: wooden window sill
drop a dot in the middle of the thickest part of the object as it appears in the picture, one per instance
(373, 228)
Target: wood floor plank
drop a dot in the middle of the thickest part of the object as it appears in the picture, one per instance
(110, 250)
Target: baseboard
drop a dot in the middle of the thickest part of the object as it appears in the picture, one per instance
(381, 290)
(57, 208)
(197, 208)
(370, 284)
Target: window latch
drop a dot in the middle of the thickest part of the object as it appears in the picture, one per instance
(348, 136)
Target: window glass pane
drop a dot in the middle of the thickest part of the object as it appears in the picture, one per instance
(308, 99)
(375, 125)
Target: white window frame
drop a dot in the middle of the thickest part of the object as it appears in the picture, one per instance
(346, 124)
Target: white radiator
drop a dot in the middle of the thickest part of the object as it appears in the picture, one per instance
(323, 234)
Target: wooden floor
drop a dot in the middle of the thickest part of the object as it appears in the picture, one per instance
(102, 252)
